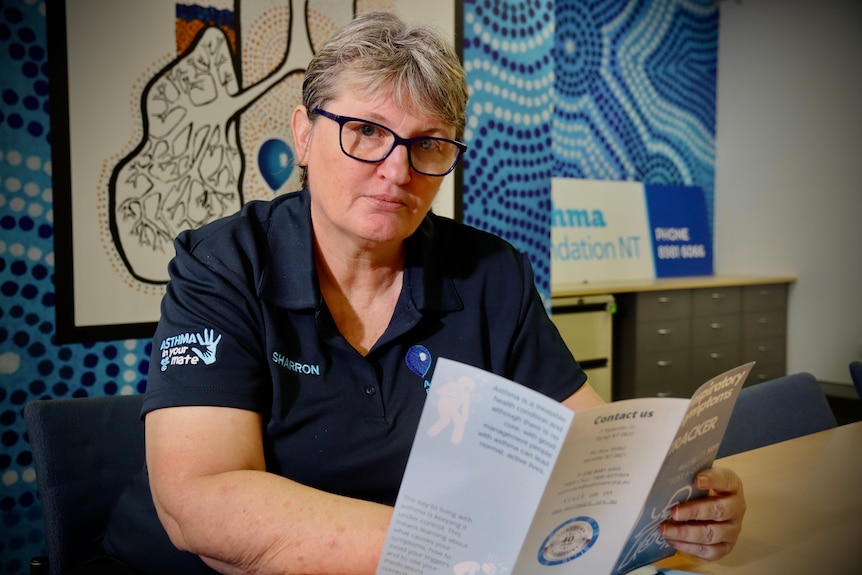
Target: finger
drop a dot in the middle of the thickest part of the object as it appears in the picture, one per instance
(708, 552)
(718, 479)
(712, 508)
(703, 533)
(726, 501)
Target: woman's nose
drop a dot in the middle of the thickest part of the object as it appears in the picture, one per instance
(396, 166)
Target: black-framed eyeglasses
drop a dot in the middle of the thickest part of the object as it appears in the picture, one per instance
(371, 142)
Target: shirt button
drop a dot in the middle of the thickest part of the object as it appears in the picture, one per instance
(370, 390)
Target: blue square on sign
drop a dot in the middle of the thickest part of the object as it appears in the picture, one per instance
(682, 243)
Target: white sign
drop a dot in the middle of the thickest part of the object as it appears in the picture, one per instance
(612, 231)
(599, 231)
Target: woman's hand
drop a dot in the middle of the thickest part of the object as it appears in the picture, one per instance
(709, 527)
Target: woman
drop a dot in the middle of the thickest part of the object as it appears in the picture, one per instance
(284, 395)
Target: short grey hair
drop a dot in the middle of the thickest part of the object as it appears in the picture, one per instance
(377, 53)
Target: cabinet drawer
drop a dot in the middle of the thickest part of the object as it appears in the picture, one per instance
(765, 372)
(662, 374)
(670, 304)
(709, 361)
(716, 301)
(663, 335)
(715, 330)
(764, 297)
(764, 324)
(587, 334)
(765, 351)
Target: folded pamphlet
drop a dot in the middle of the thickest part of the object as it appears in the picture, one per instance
(502, 479)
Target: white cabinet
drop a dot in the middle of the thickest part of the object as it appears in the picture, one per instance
(586, 324)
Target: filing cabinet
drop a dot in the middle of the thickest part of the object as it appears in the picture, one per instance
(716, 325)
(764, 330)
(652, 344)
(668, 342)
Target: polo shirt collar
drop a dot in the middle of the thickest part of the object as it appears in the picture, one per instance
(289, 279)
(426, 273)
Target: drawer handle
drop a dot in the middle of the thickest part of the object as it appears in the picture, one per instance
(764, 292)
(664, 363)
(717, 295)
(663, 331)
(664, 299)
(716, 325)
(763, 320)
(664, 394)
(762, 348)
(716, 355)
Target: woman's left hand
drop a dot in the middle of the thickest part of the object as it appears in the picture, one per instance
(709, 527)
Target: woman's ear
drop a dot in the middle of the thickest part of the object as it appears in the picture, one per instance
(301, 126)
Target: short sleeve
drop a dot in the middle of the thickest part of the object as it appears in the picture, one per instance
(207, 349)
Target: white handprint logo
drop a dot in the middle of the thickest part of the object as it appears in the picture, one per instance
(189, 348)
(206, 340)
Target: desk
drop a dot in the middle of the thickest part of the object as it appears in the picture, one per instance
(804, 512)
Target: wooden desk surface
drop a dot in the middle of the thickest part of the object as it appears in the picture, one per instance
(660, 284)
(804, 512)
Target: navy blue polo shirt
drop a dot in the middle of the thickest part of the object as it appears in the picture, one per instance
(244, 325)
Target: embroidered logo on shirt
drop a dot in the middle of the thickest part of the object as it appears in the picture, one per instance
(418, 359)
(189, 349)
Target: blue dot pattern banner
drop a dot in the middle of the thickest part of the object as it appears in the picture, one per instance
(636, 92)
(507, 169)
(603, 90)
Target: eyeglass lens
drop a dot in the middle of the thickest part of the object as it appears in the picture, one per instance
(372, 143)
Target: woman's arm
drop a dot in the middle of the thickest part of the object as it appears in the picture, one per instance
(584, 398)
(215, 499)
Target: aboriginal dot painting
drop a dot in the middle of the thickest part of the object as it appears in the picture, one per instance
(507, 169)
(635, 91)
(605, 90)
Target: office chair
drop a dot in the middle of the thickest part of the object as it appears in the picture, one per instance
(85, 451)
(776, 410)
(856, 376)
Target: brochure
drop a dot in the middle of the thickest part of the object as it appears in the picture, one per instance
(502, 479)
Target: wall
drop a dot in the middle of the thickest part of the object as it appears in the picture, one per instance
(788, 190)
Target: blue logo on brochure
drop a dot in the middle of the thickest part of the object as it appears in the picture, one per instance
(569, 541)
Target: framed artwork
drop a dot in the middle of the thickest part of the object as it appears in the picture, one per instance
(166, 116)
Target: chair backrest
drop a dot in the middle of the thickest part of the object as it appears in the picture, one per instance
(856, 376)
(85, 452)
(776, 410)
